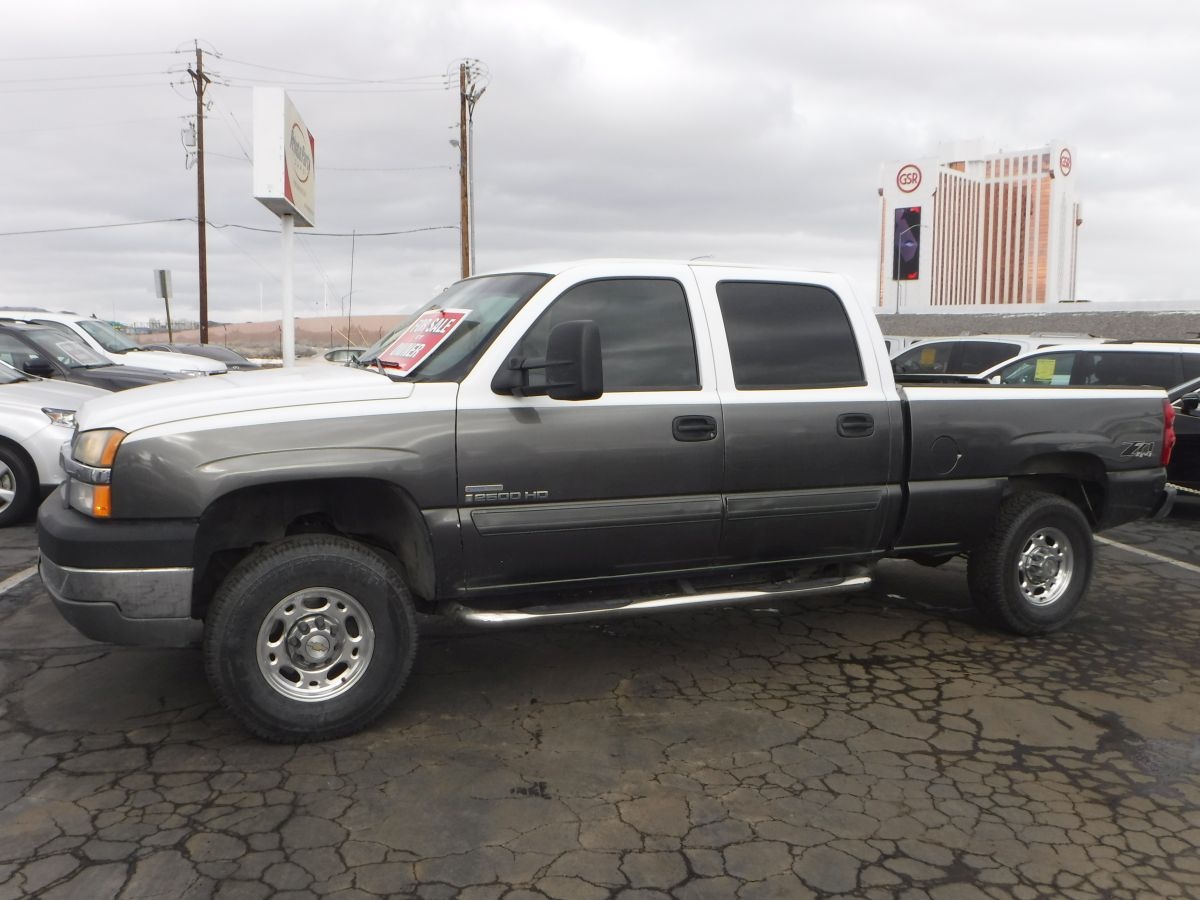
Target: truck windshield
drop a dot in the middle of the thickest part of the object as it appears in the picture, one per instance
(442, 340)
(107, 336)
(69, 352)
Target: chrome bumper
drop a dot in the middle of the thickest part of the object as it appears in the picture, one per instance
(147, 607)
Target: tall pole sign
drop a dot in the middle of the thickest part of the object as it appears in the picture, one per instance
(285, 176)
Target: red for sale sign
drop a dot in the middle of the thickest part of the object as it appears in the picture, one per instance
(423, 335)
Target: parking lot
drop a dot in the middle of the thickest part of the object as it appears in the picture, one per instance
(882, 745)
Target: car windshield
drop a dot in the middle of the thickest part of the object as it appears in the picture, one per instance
(9, 375)
(461, 322)
(66, 350)
(107, 336)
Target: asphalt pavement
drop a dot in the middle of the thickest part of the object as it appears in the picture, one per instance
(881, 745)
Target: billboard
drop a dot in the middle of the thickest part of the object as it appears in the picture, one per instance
(906, 244)
(285, 158)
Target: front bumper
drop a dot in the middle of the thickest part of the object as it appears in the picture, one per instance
(119, 582)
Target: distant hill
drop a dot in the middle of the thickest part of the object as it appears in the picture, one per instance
(261, 339)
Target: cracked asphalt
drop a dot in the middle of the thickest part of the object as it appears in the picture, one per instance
(883, 745)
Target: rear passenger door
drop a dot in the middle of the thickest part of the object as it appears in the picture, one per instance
(810, 439)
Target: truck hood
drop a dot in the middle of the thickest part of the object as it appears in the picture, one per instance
(237, 392)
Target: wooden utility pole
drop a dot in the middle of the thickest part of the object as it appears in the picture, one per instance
(201, 81)
(463, 174)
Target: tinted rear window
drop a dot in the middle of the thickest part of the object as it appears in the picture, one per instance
(785, 336)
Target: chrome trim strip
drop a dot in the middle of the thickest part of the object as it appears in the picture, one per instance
(77, 470)
(137, 593)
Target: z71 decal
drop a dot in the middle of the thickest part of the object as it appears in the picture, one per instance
(1138, 450)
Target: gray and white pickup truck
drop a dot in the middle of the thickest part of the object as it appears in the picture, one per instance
(562, 442)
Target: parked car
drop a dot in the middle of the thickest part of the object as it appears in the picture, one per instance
(49, 353)
(1155, 363)
(109, 342)
(897, 342)
(969, 355)
(233, 360)
(36, 419)
(581, 441)
(1184, 467)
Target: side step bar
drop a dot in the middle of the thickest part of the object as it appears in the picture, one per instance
(585, 612)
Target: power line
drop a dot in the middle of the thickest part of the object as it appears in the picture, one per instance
(219, 225)
(88, 77)
(343, 234)
(336, 78)
(9, 59)
(94, 227)
(89, 125)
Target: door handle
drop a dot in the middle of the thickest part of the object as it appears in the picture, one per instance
(694, 428)
(855, 425)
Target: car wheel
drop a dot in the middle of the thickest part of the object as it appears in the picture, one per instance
(18, 486)
(1031, 574)
(310, 638)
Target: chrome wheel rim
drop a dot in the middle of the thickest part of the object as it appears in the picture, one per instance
(315, 644)
(1045, 567)
(8, 486)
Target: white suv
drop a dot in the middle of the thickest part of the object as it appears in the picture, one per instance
(109, 342)
(1157, 363)
(970, 354)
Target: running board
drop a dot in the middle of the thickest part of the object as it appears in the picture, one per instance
(585, 612)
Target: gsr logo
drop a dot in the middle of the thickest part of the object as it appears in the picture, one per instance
(908, 179)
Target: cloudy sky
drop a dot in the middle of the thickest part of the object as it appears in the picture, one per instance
(750, 131)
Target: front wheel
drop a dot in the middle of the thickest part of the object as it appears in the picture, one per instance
(1033, 571)
(310, 639)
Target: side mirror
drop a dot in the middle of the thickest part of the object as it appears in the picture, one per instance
(1189, 403)
(39, 367)
(574, 366)
(995, 379)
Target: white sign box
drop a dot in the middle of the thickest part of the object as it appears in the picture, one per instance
(285, 158)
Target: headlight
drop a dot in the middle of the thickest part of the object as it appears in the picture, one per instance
(91, 458)
(192, 373)
(65, 417)
(98, 448)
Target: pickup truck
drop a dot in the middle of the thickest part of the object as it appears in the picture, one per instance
(566, 442)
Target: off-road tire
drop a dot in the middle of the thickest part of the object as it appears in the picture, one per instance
(1032, 572)
(313, 569)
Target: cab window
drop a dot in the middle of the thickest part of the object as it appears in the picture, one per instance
(646, 339)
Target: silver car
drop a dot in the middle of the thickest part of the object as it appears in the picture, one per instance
(36, 419)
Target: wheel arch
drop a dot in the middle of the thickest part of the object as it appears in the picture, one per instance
(1080, 478)
(375, 512)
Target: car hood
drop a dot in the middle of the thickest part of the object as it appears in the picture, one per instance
(165, 361)
(50, 394)
(237, 392)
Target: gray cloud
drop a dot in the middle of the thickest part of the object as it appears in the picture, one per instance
(750, 131)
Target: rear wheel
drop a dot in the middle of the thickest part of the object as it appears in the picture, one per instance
(1031, 574)
(309, 639)
(18, 486)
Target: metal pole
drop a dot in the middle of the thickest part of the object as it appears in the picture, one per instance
(287, 340)
(463, 173)
(201, 81)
